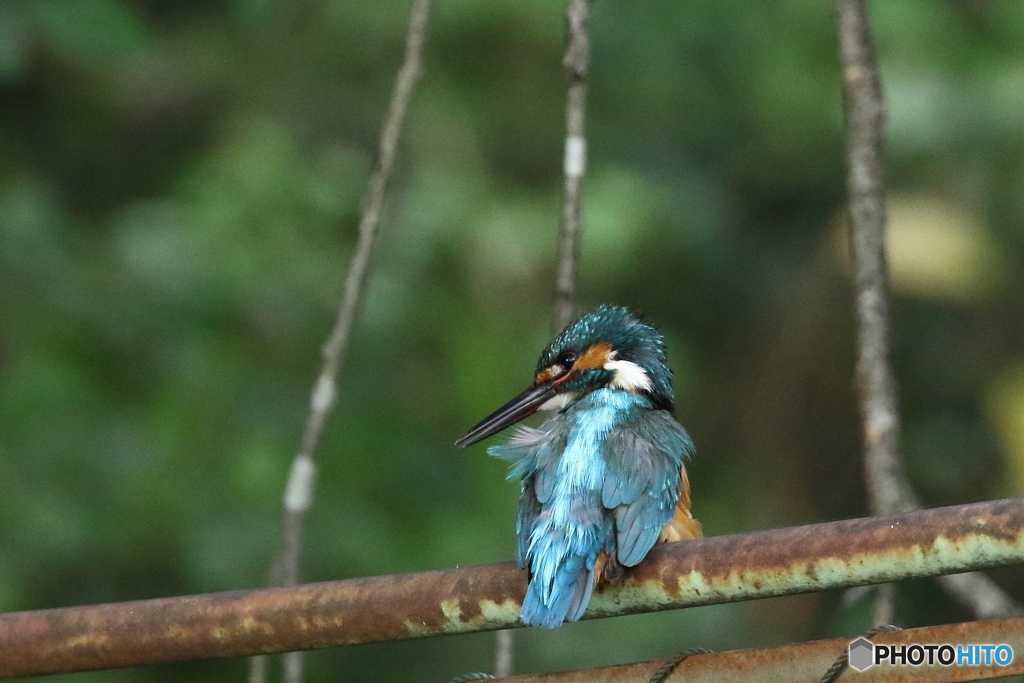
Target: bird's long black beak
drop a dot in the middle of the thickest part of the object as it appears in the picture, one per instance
(521, 407)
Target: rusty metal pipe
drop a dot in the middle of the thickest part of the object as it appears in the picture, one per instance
(806, 662)
(701, 572)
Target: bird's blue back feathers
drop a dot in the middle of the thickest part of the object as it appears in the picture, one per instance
(603, 474)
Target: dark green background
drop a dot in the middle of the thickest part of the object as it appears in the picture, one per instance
(179, 190)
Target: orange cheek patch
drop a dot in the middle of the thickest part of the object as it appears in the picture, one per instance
(543, 376)
(595, 357)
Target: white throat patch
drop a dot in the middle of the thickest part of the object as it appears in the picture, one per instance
(559, 401)
(628, 376)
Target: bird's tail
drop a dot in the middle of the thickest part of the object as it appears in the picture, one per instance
(565, 599)
(562, 558)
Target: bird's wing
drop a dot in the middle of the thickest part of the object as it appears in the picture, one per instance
(643, 457)
(533, 454)
(526, 517)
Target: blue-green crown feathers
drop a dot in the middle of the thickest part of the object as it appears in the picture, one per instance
(631, 339)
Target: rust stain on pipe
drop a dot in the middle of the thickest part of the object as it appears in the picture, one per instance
(239, 623)
(820, 556)
(806, 662)
(705, 571)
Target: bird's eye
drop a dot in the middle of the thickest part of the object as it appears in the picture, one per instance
(566, 359)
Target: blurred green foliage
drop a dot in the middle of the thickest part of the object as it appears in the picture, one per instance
(179, 189)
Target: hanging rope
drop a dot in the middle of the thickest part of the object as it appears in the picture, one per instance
(670, 666)
(466, 678)
(839, 665)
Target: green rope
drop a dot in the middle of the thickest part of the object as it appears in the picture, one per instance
(839, 665)
(670, 666)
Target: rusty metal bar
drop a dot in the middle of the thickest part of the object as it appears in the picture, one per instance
(806, 662)
(701, 572)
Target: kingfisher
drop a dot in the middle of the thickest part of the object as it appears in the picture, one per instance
(604, 478)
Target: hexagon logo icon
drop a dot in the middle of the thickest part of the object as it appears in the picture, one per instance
(861, 654)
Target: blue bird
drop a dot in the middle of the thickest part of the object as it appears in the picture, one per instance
(604, 478)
